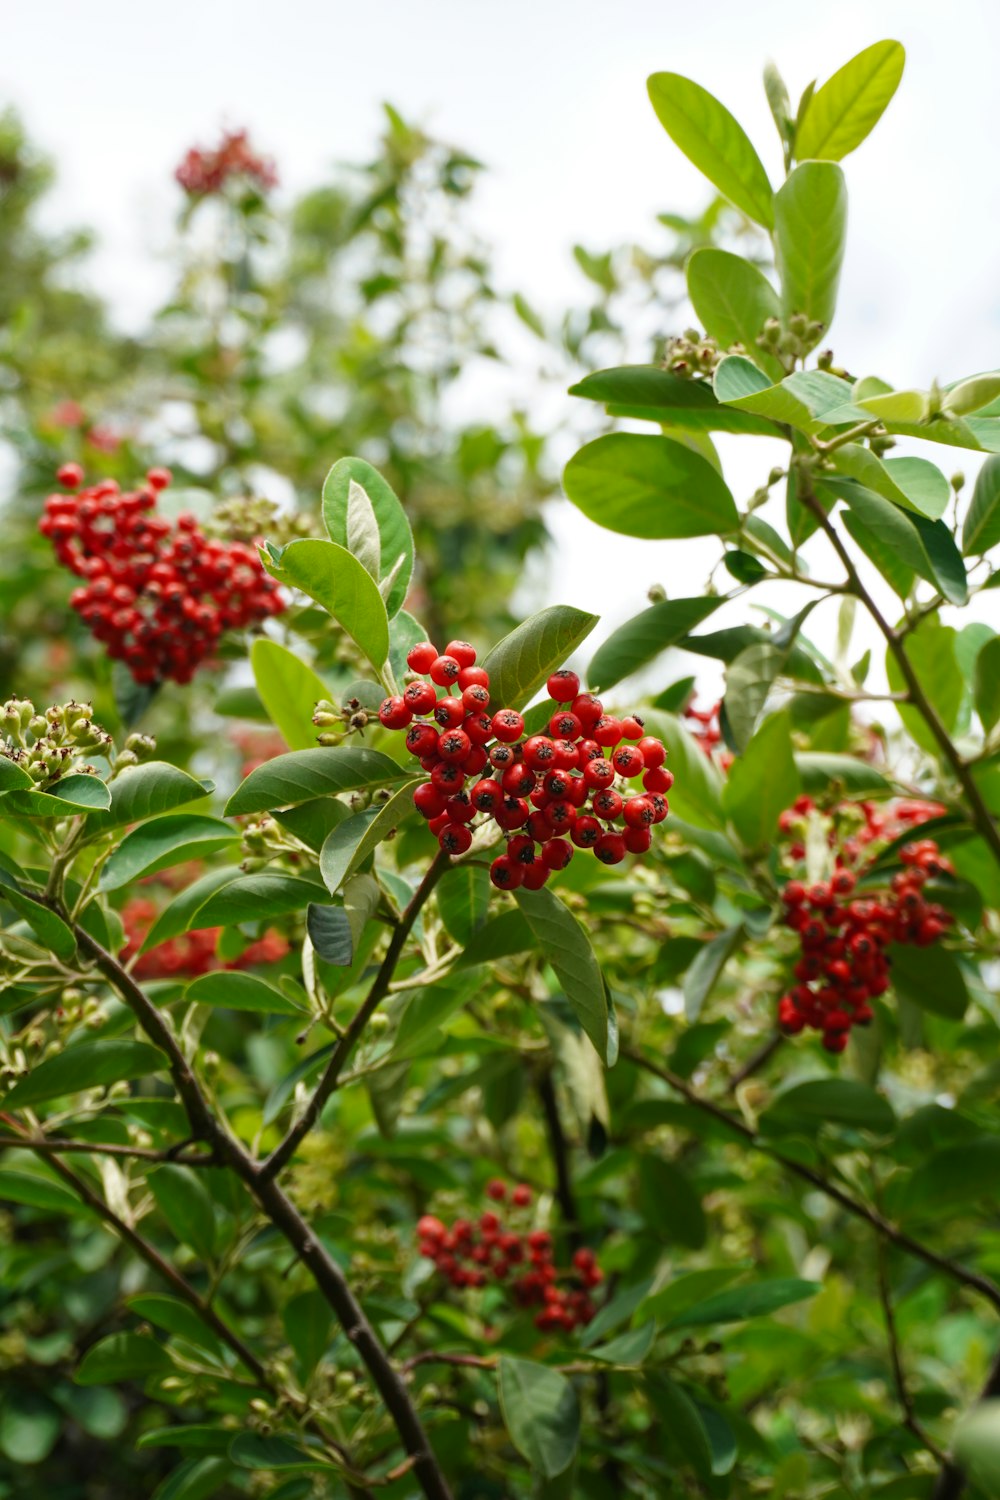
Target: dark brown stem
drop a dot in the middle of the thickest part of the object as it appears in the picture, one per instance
(559, 1150)
(860, 1210)
(981, 815)
(349, 1039)
(951, 1480)
(755, 1061)
(44, 1145)
(283, 1215)
(910, 1419)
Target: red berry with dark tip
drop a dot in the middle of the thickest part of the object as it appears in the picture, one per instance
(610, 848)
(420, 658)
(444, 670)
(394, 714)
(463, 653)
(505, 874)
(508, 725)
(563, 685)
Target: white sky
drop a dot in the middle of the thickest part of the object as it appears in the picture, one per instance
(551, 95)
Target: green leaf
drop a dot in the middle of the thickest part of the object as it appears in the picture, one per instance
(181, 913)
(733, 300)
(520, 663)
(932, 655)
(140, 792)
(972, 395)
(233, 990)
(701, 977)
(839, 1101)
(123, 1356)
(395, 539)
(802, 400)
(819, 771)
(696, 795)
(75, 793)
(893, 407)
(930, 978)
(49, 928)
(567, 948)
(175, 1317)
(39, 1192)
(289, 690)
(420, 1013)
(541, 1413)
(876, 542)
(463, 896)
(669, 1205)
(329, 929)
(336, 580)
(650, 487)
(29, 1426)
(162, 843)
(987, 684)
(810, 228)
(501, 936)
(643, 637)
(762, 782)
(652, 394)
(683, 1292)
(849, 105)
(253, 1451)
(192, 1436)
(308, 1323)
(196, 1479)
(304, 774)
(756, 1299)
(912, 483)
(981, 530)
(350, 843)
(976, 1445)
(714, 141)
(681, 1424)
(13, 778)
(926, 547)
(185, 1204)
(257, 898)
(628, 1348)
(953, 1177)
(85, 1065)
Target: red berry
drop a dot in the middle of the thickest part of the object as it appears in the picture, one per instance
(627, 760)
(486, 796)
(607, 804)
(429, 800)
(588, 710)
(394, 714)
(496, 1190)
(460, 808)
(518, 780)
(658, 780)
(565, 726)
(454, 745)
(70, 476)
(557, 853)
(448, 776)
(449, 712)
(563, 685)
(599, 773)
(585, 833)
(159, 479)
(419, 697)
(535, 875)
(539, 752)
(632, 728)
(455, 839)
(463, 653)
(422, 740)
(444, 670)
(475, 697)
(640, 812)
(512, 813)
(638, 840)
(420, 658)
(506, 875)
(508, 725)
(521, 849)
(652, 751)
(521, 1196)
(473, 677)
(610, 848)
(607, 731)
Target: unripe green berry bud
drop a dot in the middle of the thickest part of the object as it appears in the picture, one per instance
(957, 481)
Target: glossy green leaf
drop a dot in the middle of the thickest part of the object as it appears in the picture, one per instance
(192, 1436)
(652, 394)
(123, 1356)
(257, 898)
(930, 978)
(501, 936)
(987, 684)
(163, 843)
(810, 229)
(838, 1101)
(196, 1479)
(652, 487)
(337, 581)
(39, 1192)
(733, 300)
(252, 1450)
(932, 655)
(702, 976)
(714, 141)
(289, 691)
(849, 105)
(976, 1445)
(682, 1292)
(643, 637)
(821, 771)
(85, 1065)
(186, 1205)
(802, 400)
(876, 542)
(912, 483)
(566, 946)
(522, 662)
(141, 792)
(669, 1204)
(233, 990)
(49, 928)
(180, 914)
(303, 774)
(70, 795)
(349, 844)
(329, 929)
(981, 530)
(13, 778)
(755, 1299)
(762, 782)
(395, 539)
(972, 395)
(925, 547)
(541, 1413)
(175, 1316)
(681, 1424)
(308, 1321)
(628, 1348)
(463, 897)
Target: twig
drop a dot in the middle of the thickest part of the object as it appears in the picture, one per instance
(346, 1044)
(755, 1061)
(910, 1418)
(43, 1145)
(559, 1151)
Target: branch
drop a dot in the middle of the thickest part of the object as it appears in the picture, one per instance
(42, 1145)
(756, 1060)
(860, 1210)
(559, 1149)
(282, 1213)
(951, 1480)
(347, 1042)
(981, 816)
(910, 1419)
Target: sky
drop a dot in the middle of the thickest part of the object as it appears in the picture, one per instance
(550, 94)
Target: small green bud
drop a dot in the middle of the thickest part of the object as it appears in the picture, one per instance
(329, 740)
(798, 323)
(957, 481)
(38, 725)
(656, 593)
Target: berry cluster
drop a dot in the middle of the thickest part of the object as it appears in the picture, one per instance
(471, 1254)
(192, 953)
(158, 595)
(56, 743)
(844, 935)
(547, 792)
(203, 172)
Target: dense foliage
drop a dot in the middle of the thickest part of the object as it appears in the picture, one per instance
(361, 1135)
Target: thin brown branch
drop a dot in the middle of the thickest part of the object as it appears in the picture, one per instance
(44, 1145)
(346, 1043)
(757, 1060)
(903, 1393)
